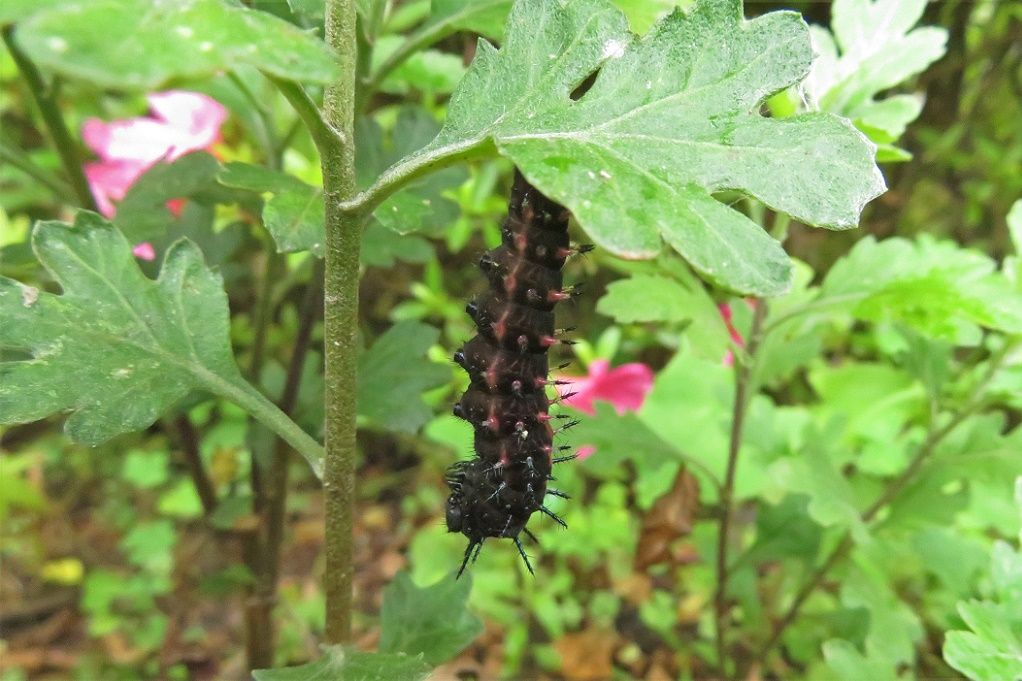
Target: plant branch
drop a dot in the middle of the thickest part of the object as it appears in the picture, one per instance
(45, 99)
(743, 396)
(328, 138)
(343, 240)
(423, 37)
(276, 494)
(187, 438)
(923, 454)
(411, 168)
(22, 162)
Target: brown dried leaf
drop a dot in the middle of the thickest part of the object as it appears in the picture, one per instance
(668, 519)
(587, 655)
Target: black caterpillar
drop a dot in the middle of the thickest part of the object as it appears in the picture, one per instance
(495, 493)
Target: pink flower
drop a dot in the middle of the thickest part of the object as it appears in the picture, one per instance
(144, 251)
(625, 387)
(181, 122)
(725, 313)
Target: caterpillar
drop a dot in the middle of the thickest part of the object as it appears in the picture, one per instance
(495, 493)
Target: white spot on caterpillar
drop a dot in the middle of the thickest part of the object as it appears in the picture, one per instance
(184, 31)
(604, 174)
(613, 49)
(649, 85)
(123, 373)
(29, 296)
(205, 46)
(57, 44)
(591, 174)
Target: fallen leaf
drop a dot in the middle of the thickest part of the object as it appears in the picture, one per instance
(668, 519)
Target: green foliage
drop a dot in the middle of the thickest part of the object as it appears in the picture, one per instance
(992, 647)
(393, 372)
(431, 621)
(293, 212)
(196, 38)
(664, 139)
(137, 346)
(879, 49)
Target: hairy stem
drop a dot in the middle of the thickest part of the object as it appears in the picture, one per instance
(743, 395)
(890, 493)
(343, 236)
(45, 98)
(328, 138)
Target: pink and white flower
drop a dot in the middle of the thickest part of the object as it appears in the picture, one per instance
(180, 123)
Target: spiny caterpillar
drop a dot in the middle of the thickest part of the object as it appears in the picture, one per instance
(495, 493)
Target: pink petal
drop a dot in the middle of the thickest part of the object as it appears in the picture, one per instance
(625, 387)
(584, 452)
(196, 118)
(144, 251)
(110, 181)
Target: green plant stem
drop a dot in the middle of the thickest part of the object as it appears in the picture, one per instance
(266, 412)
(328, 138)
(45, 99)
(890, 493)
(343, 236)
(422, 38)
(22, 162)
(743, 395)
(412, 168)
(261, 316)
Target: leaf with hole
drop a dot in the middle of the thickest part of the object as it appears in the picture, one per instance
(669, 120)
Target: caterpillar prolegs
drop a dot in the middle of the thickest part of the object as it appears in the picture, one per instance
(495, 493)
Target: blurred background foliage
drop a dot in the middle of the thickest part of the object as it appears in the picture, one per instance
(114, 567)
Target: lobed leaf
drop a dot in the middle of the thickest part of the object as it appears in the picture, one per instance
(195, 38)
(117, 349)
(431, 621)
(341, 664)
(670, 119)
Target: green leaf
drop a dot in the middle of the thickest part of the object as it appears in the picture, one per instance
(340, 664)
(486, 17)
(992, 651)
(392, 375)
(143, 214)
(150, 545)
(668, 121)
(937, 287)
(293, 212)
(848, 664)
(432, 621)
(657, 298)
(117, 349)
(879, 49)
(13, 11)
(428, 71)
(992, 648)
(144, 44)
(382, 247)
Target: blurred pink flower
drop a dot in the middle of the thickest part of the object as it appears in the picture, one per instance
(725, 313)
(181, 122)
(144, 251)
(625, 387)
